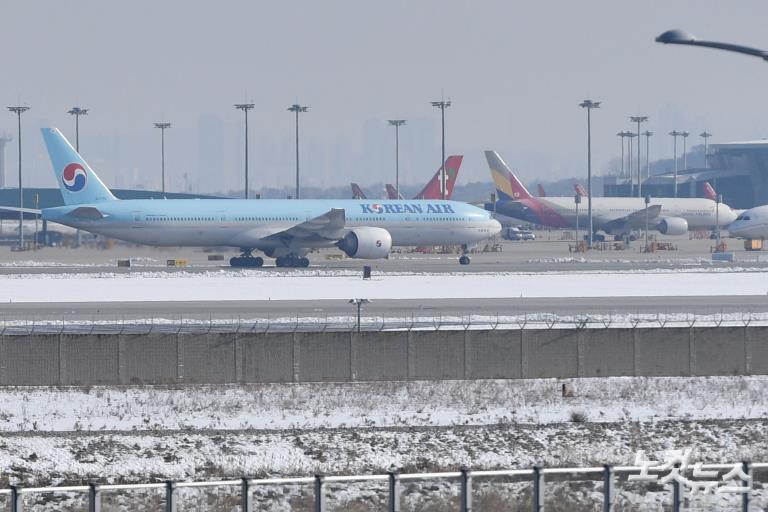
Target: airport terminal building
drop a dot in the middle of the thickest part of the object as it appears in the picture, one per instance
(737, 170)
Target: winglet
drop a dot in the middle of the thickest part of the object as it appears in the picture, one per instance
(709, 191)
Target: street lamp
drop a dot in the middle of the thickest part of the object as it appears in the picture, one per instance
(245, 107)
(18, 110)
(162, 127)
(675, 134)
(648, 135)
(685, 135)
(638, 120)
(442, 105)
(397, 123)
(623, 135)
(359, 303)
(630, 172)
(589, 105)
(686, 38)
(297, 109)
(77, 112)
(705, 135)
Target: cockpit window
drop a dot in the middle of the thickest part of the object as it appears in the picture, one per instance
(743, 217)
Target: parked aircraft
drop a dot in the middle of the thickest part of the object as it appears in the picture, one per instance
(281, 228)
(614, 215)
(751, 224)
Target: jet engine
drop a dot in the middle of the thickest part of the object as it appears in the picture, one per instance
(366, 243)
(673, 226)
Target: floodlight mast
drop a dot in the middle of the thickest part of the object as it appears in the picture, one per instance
(245, 107)
(638, 120)
(705, 135)
(296, 108)
(77, 112)
(162, 126)
(589, 105)
(442, 105)
(675, 134)
(397, 123)
(18, 110)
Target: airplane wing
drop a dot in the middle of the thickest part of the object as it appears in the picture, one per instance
(326, 227)
(25, 210)
(635, 220)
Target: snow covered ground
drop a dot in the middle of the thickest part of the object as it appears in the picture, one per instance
(113, 434)
(320, 285)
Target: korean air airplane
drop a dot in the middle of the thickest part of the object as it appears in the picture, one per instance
(614, 215)
(283, 229)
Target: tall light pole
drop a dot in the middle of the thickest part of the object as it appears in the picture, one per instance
(630, 136)
(685, 135)
(18, 110)
(589, 105)
(397, 123)
(705, 135)
(648, 135)
(442, 105)
(638, 120)
(675, 134)
(245, 107)
(297, 109)
(163, 126)
(623, 135)
(77, 112)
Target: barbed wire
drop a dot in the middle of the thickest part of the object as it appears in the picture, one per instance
(109, 324)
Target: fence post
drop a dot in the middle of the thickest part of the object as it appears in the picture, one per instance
(94, 498)
(394, 492)
(538, 490)
(319, 493)
(466, 490)
(745, 497)
(170, 496)
(15, 499)
(247, 497)
(677, 495)
(607, 488)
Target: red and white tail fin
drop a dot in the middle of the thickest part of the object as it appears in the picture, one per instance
(542, 192)
(580, 190)
(433, 189)
(392, 192)
(357, 192)
(709, 191)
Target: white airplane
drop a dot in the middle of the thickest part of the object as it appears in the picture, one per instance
(751, 224)
(282, 228)
(614, 215)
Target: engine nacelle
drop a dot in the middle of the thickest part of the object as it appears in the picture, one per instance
(366, 243)
(673, 226)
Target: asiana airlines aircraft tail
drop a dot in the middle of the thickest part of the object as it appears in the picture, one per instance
(284, 229)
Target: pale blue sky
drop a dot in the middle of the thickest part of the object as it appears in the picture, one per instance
(515, 72)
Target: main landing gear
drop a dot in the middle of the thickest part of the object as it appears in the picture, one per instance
(246, 260)
(464, 259)
(292, 260)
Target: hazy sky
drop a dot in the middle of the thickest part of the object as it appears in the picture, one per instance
(515, 72)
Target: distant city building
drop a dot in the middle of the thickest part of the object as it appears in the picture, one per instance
(737, 170)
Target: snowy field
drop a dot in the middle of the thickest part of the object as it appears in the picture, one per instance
(69, 435)
(340, 285)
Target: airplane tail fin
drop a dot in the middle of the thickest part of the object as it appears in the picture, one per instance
(77, 181)
(357, 192)
(507, 185)
(580, 190)
(709, 191)
(433, 189)
(542, 192)
(392, 192)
